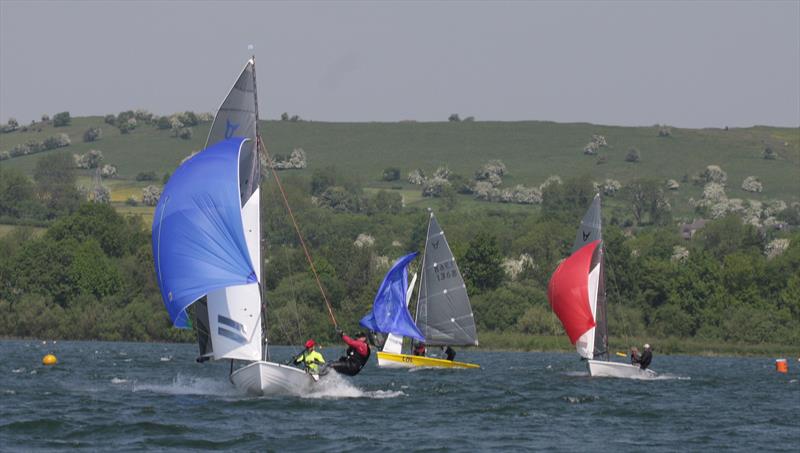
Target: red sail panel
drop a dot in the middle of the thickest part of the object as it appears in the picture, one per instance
(568, 292)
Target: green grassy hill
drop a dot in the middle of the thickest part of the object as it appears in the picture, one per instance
(531, 150)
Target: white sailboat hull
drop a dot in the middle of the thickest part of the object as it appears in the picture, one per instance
(602, 368)
(269, 378)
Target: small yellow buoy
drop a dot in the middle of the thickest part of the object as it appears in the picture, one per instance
(49, 359)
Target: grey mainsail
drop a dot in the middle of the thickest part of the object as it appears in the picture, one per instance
(237, 117)
(444, 314)
(590, 231)
(591, 226)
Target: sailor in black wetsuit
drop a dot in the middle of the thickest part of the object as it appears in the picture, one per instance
(355, 357)
(646, 357)
(449, 352)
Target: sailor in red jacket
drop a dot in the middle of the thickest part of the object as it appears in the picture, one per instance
(355, 357)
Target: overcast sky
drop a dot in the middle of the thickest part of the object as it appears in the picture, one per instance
(688, 64)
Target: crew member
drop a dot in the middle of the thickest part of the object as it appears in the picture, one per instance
(634, 355)
(449, 352)
(310, 358)
(646, 358)
(419, 349)
(355, 357)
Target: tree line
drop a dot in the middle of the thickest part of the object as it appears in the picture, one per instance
(90, 275)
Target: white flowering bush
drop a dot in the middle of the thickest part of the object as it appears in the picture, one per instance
(108, 171)
(514, 267)
(672, 184)
(364, 240)
(679, 254)
(752, 184)
(776, 247)
(713, 173)
(433, 187)
(553, 179)
(416, 177)
(150, 195)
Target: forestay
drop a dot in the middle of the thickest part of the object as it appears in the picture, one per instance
(444, 314)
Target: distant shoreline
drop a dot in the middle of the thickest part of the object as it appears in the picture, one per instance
(544, 343)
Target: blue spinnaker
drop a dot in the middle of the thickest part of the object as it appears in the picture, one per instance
(198, 237)
(389, 311)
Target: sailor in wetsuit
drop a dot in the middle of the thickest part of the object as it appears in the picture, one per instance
(646, 358)
(449, 352)
(355, 357)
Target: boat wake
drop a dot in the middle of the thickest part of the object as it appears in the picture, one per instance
(334, 386)
(670, 377)
(185, 385)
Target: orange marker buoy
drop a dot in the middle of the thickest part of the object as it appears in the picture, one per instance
(49, 359)
(781, 366)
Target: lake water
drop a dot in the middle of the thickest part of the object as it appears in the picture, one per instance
(130, 396)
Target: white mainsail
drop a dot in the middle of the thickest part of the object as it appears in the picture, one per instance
(234, 313)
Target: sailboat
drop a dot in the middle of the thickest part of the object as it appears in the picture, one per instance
(444, 315)
(577, 294)
(206, 247)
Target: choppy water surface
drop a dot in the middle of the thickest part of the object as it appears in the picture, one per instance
(129, 396)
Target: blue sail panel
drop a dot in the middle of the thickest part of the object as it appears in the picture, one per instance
(198, 237)
(389, 311)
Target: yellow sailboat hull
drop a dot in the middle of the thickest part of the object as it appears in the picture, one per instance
(391, 360)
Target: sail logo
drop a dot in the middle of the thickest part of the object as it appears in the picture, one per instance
(230, 128)
(586, 235)
(237, 336)
(435, 244)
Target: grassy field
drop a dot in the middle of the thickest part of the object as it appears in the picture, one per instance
(531, 150)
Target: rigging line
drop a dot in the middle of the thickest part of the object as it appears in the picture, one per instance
(297, 229)
(618, 293)
(294, 294)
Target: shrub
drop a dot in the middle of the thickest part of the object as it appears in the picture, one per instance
(56, 141)
(769, 153)
(664, 131)
(45, 117)
(284, 116)
(110, 119)
(713, 173)
(108, 171)
(146, 176)
(91, 159)
(126, 126)
(391, 174)
(185, 133)
(61, 119)
(163, 123)
(92, 134)
(752, 184)
(633, 155)
(131, 201)
(11, 126)
(150, 195)
(469, 119)
(454, 118)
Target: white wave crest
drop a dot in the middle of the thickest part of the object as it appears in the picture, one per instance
(334, 386)
(186, 385)
(117, 380)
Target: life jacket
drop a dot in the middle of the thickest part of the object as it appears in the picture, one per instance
(311, 359)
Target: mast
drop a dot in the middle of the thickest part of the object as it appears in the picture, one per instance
(257, 172)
